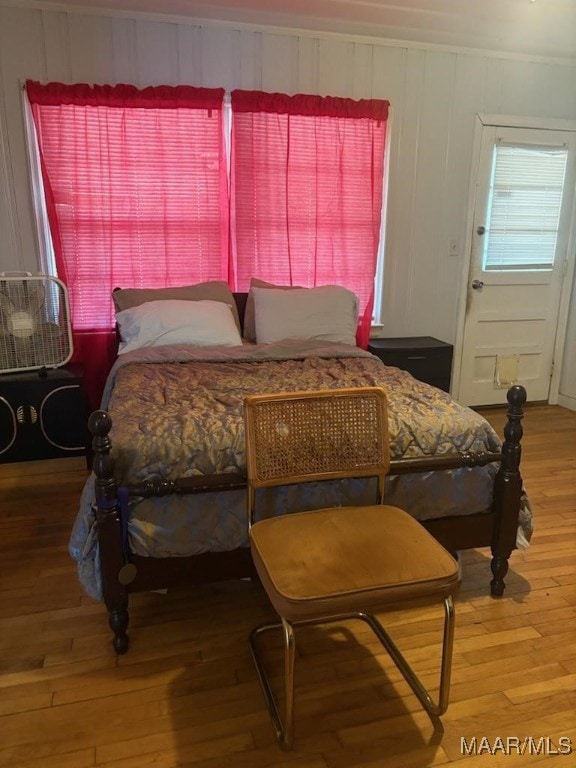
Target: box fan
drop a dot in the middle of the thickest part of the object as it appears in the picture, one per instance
(35, 329)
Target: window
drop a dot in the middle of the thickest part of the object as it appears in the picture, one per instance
(131, 199)
(307, 185)
(524, 207)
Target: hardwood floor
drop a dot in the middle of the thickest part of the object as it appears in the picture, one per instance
(186, 694)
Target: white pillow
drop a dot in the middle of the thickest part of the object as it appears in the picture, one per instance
(327, 313)
(173, 321)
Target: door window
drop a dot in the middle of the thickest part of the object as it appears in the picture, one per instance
(525, 199)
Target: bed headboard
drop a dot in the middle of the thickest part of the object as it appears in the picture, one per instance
(240, 299)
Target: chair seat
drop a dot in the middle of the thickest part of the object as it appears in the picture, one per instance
(346, 559)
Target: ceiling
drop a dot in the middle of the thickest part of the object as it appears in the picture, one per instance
(532, 27)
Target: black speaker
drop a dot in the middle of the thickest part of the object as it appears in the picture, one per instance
(43, 415)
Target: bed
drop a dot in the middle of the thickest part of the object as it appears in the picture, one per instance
(165, 506)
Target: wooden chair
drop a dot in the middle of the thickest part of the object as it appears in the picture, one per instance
(343, 562)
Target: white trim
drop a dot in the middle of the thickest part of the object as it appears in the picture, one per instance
(381, 254)
(564, 310)
(40, 215)
(288, 29)
(567, 402)
(521, 121)
(463, 297)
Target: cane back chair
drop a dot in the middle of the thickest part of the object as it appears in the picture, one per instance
(342, 562)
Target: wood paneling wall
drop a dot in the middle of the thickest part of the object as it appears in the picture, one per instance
(435, 94)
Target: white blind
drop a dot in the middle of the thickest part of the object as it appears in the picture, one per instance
(524, 207)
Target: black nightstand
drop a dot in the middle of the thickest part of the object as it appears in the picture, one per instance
(42, 415)
(427, 359)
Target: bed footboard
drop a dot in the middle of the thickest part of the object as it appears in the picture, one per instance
(507, 491)
(123, 573)
(110, 537)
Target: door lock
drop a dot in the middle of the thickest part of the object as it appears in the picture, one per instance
(477, 285)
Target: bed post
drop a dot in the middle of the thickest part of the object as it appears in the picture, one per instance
(508, 490)
(109, 523)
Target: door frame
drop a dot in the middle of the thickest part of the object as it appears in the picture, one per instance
(511, 121)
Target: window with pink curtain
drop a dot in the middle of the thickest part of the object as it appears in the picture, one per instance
(306, 188)
(136, 194)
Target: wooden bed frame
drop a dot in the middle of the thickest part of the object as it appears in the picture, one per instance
(124, 573)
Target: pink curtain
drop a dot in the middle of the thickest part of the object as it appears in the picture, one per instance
(306, 190)
(136, 193)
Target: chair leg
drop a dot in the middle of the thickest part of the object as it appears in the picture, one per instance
(283, 727)
(433, 708)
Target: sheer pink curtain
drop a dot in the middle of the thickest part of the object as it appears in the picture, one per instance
(136, 192)
(306, 187)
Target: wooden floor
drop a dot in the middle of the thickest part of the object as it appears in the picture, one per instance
(186, 694)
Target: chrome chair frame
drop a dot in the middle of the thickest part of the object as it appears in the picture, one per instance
(284, 725)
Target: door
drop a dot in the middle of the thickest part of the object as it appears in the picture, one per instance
(519, 256)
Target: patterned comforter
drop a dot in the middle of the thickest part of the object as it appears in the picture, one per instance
(177, 411)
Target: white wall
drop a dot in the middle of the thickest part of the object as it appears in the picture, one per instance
(435, 94)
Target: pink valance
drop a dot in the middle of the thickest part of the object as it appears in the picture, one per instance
(153, 97)
(303, 104)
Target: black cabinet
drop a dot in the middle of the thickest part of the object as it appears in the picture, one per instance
(43, 415)
(426, 358)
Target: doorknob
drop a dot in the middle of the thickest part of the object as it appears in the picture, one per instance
(477, 284)
(481, 230)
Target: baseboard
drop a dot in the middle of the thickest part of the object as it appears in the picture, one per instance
(567, 402)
